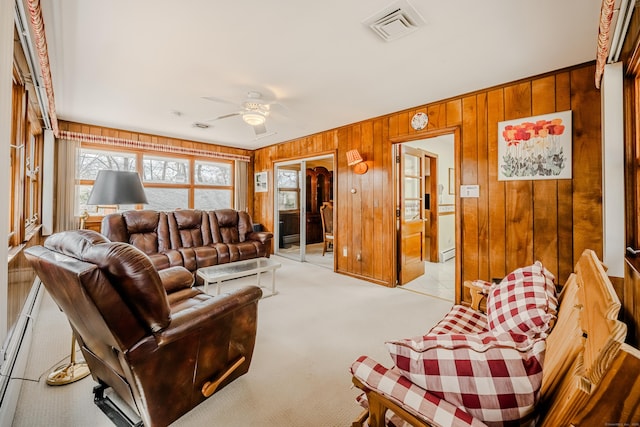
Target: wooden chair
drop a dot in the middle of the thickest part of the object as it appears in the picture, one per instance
(326, 214)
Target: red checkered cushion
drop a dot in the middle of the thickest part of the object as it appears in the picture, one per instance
(461, 320)
(495, 378)
(524, 302)
(391, 384)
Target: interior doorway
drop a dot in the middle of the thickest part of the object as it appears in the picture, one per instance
(303, 187)
(438, 217)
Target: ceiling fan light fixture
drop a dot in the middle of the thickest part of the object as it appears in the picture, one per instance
(254, 118)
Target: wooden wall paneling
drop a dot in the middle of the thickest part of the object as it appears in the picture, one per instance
(356, 213)
(403, 123)
(393, 126)
(545, 192)
(437, 116)
(587, 161)
(510, 225)
(385, 210)
(468, 172)
(519, 220)
(483, 179)
(567, 257)
(497, 217)
(367, 201)
(345, 202)
(379, 146)
(454, 112)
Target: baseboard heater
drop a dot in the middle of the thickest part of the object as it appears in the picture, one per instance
(16, 353)
(447, 255)
(291, 238)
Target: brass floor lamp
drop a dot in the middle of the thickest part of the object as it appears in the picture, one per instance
(110, 188)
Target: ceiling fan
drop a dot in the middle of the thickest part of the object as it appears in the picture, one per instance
(254, 111)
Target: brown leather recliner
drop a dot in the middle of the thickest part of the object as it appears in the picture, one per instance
(162, 345)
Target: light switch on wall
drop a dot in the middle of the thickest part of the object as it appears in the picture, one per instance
(469, 191)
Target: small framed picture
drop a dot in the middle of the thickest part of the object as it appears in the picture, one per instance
(261, 182)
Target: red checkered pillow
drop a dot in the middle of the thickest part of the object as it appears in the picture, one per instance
(524, 302)
(495, 378)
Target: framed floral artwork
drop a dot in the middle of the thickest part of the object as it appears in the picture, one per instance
(537, 147)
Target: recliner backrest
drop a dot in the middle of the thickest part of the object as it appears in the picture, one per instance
(224, 226)
(147, 230)
(124, 277)
(186, 228)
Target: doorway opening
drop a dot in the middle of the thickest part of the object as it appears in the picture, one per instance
(435, 223)
(303, 187)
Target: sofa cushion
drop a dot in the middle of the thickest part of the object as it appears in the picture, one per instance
(524, 302)
(461, 320)
(493, 377)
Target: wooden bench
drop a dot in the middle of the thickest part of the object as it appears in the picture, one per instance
(588, 373)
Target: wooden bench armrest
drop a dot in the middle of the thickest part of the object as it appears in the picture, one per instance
(479, 291)
(378, 406)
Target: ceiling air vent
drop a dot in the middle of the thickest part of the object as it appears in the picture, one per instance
(201, 125)
(395, 21)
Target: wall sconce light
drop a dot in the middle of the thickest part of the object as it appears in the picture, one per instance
(355, 159)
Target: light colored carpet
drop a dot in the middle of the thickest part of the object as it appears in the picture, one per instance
(308, 336)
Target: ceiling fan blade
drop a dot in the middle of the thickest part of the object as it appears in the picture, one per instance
(260, 129)
(216, 99)
(265, 135)
(237, 113)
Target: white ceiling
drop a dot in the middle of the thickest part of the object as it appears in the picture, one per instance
(146, 65)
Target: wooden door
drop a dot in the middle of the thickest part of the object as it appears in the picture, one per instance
(430, 249)
(411, 214)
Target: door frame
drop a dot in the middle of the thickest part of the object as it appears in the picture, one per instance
(456, 131)
(302, 161)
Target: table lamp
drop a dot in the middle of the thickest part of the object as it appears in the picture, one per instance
(110, 188)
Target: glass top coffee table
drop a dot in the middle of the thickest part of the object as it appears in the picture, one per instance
(219, 273)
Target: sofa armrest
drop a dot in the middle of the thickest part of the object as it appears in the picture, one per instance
(176, 278)
(260, 236)
(390, 390)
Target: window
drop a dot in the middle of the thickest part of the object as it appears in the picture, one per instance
(88, 164)
(25, 165)
(165, 170)
(214, 185)
(170, 182)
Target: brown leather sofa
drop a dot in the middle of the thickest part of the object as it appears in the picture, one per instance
(189, 238)
(161, 344)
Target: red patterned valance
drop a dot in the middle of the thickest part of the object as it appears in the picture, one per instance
(142, 145)
(604, 30)
(37, 24)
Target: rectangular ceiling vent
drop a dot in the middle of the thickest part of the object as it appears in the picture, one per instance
(395, 21)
